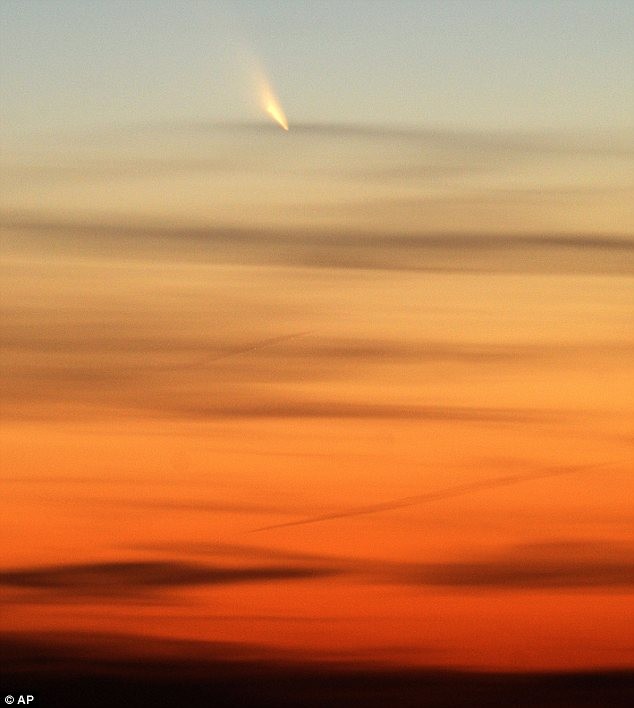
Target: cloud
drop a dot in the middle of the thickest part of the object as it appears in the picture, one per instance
(609, 143)
(484, 141)
(83, 391)
(422, 171)
(115, 169)
(344, 409)
(83, 355)
(411, 155)
(378, 349)
(242, 550)
(49, 361)
(554, 565)
(47, 371)
(121, 578)
(203, 352)
(547, 565)
(333, 249)
(115, 669)
(213, 507)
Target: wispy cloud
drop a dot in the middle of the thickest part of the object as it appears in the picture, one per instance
(554, 565)
(113, 169)
(204, 507)
(618, 143)
(122, 578)
(336, 409)
(335, 249)
(241, 551)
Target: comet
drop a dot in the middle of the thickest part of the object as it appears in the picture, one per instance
(260, 86)
(270, 103)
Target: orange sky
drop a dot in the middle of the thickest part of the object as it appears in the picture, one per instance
(275, 327)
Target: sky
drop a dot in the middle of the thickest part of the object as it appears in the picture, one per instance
(355, 393)
(491, 64)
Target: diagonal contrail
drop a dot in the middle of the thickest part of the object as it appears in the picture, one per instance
(212, 359)
(447, 493)
(262, 344)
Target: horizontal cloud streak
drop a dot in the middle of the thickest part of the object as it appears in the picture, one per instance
(312, 347)
(242, 550)
(211, 507)
(115, 169)
(275, 409)
(333, 409)
(546, 566)
(617, 143)
(527, 567)
(336, 249)
(107, 375)
(164, 673)
(122, 578)
(550, 565)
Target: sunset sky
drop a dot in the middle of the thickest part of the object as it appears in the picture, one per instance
(356, 392)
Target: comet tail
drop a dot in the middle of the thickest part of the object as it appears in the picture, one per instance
(270, 103)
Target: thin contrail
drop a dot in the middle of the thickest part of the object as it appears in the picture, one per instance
(262, 344)
(446, 493)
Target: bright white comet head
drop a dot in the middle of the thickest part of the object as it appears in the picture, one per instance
(270, 103)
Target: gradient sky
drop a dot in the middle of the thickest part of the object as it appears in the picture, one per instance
(213, 329)
(490, 64)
